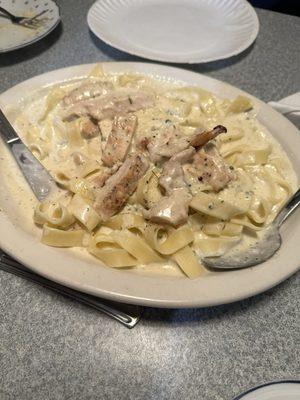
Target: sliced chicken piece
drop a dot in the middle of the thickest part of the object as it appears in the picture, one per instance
(87, 91)
(172, 210)
(119, 187)
(99, 180)
(212, 169)
(105, 127)
(118, 143)
(108, 106)
(173, 176)
(184, 156)
(171, 141)
(201, 138)
(143, 143)
(88, 128)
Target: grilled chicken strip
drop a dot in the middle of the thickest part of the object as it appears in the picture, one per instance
(119, 187)
(88, 128)
(87, 91)
(108, 106)
(118, 142)
(172, 210)
(98, 181)
(173, 176)
(171, 141)
(168, 143)
(211, 168)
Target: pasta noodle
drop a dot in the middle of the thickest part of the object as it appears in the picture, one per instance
(240, 104)
(132, 222)
(54, 214)
(96, 72)
(215, 207)
(188, 262)
(215, 246)
(148, 192)
(136, 246)
(104, 247)
(84, 212)
(82, 187)
(53, 98)
(59, 238)
(168, 241)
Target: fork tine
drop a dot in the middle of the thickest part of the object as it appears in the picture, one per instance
(27, 25)
(38, 15)
(33, 23)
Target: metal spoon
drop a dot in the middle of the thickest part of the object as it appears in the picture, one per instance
(263, 249)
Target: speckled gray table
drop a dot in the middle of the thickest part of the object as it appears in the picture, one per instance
(54, 348)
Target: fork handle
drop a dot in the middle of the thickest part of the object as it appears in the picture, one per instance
(7, 132)
(10, 15)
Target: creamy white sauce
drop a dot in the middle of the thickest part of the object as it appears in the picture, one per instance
(18, 202)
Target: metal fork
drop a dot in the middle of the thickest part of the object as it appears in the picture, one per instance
(129, 315)
(31, 23)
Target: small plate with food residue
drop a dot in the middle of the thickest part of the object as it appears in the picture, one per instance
(14, 36)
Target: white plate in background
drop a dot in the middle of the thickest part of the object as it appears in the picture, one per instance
(283, 390)
(21, 238)
(13, 36)
(179, 31)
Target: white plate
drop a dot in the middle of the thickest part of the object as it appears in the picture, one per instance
(284, 390)
(88, 275)
(179, 31)
(13, 36)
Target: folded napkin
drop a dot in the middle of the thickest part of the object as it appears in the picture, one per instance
(289, 107)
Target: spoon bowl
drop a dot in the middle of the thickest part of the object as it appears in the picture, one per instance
(261, 250)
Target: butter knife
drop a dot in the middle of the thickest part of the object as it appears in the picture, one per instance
(42, 185)
(39, 179)
(128, 314)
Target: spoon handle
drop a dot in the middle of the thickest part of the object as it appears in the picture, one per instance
(289, 207)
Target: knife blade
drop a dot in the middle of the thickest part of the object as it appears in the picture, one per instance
(38, 178)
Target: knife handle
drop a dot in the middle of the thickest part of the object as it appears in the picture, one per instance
(7, 132)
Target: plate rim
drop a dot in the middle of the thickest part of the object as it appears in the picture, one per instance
(36, 39)
(247, 43)
(253, 389)
(123, 295)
